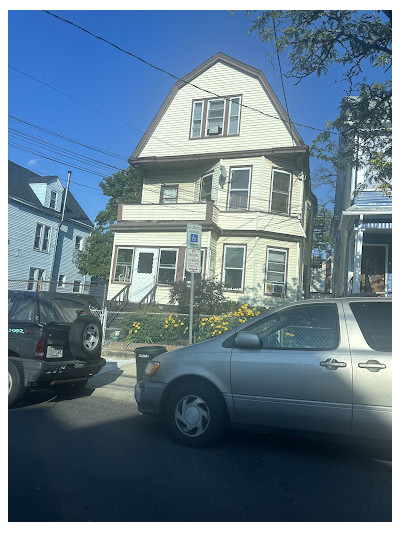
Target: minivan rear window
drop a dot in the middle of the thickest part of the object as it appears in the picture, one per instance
(375, 322)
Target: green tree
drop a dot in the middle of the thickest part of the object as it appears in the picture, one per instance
(316, 41)
(125, 186)
(95, 258)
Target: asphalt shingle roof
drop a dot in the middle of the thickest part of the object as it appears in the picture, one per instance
(19, 179)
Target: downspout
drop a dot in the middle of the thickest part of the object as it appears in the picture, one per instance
(58, 233)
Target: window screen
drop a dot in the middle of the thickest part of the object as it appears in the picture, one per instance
(375, 322)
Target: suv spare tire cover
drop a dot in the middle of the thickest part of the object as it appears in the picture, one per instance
(85, 337)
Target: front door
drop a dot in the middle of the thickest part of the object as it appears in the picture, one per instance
(301, 377)
(144, 273)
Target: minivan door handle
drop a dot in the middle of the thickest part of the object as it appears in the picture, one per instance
(372, 365)
(332, 364)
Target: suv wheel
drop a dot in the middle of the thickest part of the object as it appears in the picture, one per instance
(85, 337)
(15, 384)
(196, 415)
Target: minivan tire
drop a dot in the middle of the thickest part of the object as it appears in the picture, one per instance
(196, 414)
(85, 337)
(16, 387)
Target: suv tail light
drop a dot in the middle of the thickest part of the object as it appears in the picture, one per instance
(40, 349)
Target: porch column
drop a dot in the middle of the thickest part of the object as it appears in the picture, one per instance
(358, 244)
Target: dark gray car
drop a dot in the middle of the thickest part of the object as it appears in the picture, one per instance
(317, 365)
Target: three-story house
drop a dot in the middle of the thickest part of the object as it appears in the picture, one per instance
(222, 153)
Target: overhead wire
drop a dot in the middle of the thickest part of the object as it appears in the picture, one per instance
(177, 78)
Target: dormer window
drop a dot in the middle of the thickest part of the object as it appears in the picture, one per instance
(215, 117)
(53, 200)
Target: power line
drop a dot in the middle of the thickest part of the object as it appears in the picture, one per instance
(40, 128)
(177, 78)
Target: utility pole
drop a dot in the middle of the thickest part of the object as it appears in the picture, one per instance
(58, 231)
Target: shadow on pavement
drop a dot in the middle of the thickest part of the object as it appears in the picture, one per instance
(128, 470)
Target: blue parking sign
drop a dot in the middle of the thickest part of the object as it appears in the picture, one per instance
(194, 238)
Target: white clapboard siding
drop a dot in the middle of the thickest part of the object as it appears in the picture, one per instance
(257, 131)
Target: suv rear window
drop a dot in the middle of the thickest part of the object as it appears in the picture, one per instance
(69, 310)
(375, 322)
(22, 311)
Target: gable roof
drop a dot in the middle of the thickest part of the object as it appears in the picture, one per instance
(234, 63)
(19, 179)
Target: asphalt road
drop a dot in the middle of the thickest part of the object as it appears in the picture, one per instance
(94, 458)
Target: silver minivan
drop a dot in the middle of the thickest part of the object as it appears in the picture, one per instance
(316, 365)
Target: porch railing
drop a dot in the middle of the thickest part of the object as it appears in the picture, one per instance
(120, 300)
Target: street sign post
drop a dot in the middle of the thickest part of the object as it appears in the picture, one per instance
(193, 261)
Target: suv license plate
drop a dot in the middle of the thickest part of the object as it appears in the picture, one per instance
(54, 352)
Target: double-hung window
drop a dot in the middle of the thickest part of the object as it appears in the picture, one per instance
(206, 188)
(239, 186)
(233, 269)
(78, 242)
(123, 265)
(167, 267)
(275, 277)
(42, 238)
(280, 191)
(53, 200)
(169, 194)
(234, 115)
(36, 279)
(215, 117)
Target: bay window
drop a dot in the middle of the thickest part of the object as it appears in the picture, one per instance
(239, 186)
(233, 267)
(280, 191)
(275, 277)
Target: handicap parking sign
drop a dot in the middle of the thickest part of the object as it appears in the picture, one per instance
(193, 232)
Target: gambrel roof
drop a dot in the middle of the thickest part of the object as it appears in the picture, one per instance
(239, 66)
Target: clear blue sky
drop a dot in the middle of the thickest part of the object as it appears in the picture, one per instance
(96, 74)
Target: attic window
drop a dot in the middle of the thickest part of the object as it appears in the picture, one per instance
(215, 117)
(53, 200)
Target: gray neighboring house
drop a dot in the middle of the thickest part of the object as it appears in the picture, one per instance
(39, 250)
(362, 232)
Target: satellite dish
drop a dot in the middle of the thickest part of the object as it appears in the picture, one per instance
(222, 176)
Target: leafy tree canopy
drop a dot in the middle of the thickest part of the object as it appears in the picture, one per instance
(95, 258)
(315, 41)
(124, 186)
(322, 240)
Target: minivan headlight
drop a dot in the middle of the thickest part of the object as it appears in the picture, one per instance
(151, 368)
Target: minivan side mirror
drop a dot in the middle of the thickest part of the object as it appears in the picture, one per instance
(247, 341)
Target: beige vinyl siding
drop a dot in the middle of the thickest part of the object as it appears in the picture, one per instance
(256, 130)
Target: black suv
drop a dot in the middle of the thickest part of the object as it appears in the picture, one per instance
(53, 340)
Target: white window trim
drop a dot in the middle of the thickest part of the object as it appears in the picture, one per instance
(234, 268)
(248, 188)
(229, 114)
(124, 280)
(201, 120)
(223, 117)
(201, 185)
(281, 250)
(62, 283)
(80, 248)
(36, 280)
(55, 200)
(166, 267)
(81, 286)
(41, 238)
(280, 192)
